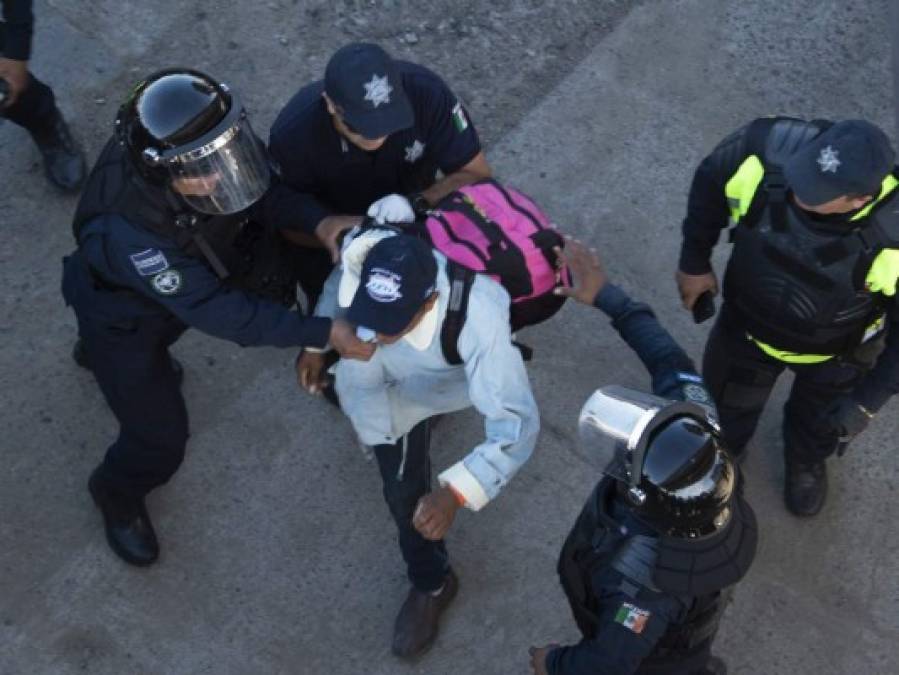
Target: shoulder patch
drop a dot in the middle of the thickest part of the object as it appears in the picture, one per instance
(167, 282)
(460, 121)
(149, 262)
(632, 617)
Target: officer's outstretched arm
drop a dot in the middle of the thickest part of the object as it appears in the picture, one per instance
(671, 369)
(192, 292)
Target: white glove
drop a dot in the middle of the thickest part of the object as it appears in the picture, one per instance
(392, 209)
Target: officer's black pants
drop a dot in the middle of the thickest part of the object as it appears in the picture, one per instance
(740, 377)
(35, 109)
(127, 350)
(407, 477)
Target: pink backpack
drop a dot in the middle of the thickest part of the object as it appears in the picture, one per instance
(491, 229)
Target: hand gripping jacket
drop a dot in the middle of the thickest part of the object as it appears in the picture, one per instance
(798, 287)
(699, 572)
(241, 253)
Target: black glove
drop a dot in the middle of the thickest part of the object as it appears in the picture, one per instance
(848, 418)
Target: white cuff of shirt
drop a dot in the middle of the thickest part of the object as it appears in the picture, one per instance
(464, 483)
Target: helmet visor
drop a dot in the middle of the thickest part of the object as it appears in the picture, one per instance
(611, 426)
(225, 173)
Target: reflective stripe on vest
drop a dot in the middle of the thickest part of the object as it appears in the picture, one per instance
(882, 276)
(792, 357)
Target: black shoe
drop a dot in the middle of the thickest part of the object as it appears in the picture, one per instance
(419, 618)
(79, 355)
(128, 528)
(805, 487)
(63, 160)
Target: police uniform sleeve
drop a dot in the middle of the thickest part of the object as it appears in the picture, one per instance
(290, 203)
(707, 212)
(186, 287)
(499, 389)
(628, 630)
(19, 19)
(673, 374)
(452, 139)
(882, 381)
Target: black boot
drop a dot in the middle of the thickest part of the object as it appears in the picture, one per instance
(128, 528)
(63, 160)
(79, 355)
(805, 487)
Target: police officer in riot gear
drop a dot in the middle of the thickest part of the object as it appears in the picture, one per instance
(810, 285)
(164, 243)
(666, 533)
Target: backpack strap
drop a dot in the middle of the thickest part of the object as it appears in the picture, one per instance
(460, 280)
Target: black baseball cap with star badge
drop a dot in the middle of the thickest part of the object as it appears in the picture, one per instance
(852, 157)
(364, 82)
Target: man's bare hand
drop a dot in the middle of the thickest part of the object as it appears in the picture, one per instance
(434, 514)
(329, 229)
(310, 367)
(589, 277)
(343, 339)
(691, 286)
(538, 658)
(16, 75)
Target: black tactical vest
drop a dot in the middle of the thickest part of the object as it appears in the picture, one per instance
(241, 252)
(700, 573)
(795, 283)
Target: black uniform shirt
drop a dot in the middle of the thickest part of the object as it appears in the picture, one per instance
(322, 173)
(16, 28)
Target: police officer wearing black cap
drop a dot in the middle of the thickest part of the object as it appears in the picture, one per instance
(164, 243)
(653, 557)
(30, 103)
(369, 138)
(810, 285)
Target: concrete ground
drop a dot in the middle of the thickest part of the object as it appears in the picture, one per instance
(278, 554)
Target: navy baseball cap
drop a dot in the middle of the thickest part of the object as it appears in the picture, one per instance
(364, 82)
(398, 275)
(850, 158)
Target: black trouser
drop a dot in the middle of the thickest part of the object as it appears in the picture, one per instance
(406, 472)
(740, 376)
(127, 350)
(35, 109)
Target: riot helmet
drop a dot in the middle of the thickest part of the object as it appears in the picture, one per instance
(667, 457)
(182, 127)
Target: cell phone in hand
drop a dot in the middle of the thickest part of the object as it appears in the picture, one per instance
(704, 307)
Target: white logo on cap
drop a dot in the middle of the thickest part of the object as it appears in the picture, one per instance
(414, 151)
(377, 90)
(383, 285)
(828, 160)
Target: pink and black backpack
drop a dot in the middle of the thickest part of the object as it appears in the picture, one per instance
(488, 228)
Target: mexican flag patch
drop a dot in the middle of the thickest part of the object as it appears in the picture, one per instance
(632, 617)
(460, 121)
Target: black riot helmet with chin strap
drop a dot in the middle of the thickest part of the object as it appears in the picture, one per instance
(666, 455)
(181, 125)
